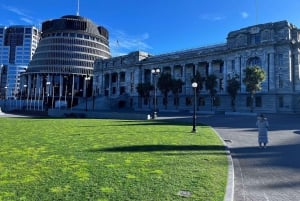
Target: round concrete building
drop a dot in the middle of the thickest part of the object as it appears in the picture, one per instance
(61, 69)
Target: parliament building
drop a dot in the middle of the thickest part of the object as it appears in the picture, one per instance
(272, 46)
(72, 66)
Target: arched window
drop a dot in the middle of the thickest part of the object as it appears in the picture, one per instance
(254, 61)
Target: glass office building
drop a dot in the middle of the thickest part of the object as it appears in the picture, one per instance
(17, 46)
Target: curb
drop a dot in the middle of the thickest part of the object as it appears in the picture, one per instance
(229, 193)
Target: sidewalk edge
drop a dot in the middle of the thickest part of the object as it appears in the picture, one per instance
(229, 194)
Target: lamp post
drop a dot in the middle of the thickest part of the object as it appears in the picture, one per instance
(48, 92)
(86, 79)
(155, 72)
(194, 85)
(26, 95)
(20, 99)
(5, 97)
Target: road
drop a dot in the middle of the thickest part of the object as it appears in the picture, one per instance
(272, 174)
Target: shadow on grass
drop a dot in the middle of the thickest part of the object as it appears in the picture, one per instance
(154, 148)
(156, 123)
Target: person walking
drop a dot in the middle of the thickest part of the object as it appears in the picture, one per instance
(262, 125)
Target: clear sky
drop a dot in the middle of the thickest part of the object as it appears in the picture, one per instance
(156, 26)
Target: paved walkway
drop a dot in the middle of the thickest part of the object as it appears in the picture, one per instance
(262, 175)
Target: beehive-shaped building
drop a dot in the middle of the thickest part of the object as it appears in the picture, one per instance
(63, 63)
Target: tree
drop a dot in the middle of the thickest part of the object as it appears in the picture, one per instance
(199, 80)
(233, 86)
(144, 89)
(164, 84)
(254, 76)
(176, 88)
(211, 84)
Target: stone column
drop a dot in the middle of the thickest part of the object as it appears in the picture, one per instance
(272, 71)
(84, 86)
(225, 76)
(109, 85)
(50, 87)
(60, 86)
(183, 77)
(210, 68)
(240, 72)
(29, 85)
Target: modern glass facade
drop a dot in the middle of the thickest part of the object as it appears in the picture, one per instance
(17, 45)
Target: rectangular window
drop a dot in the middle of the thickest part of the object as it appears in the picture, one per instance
(131, 88)
(216, 101)
(254, 39)
(28, 31)
(257, 38)
(188, 101)
(122, 77)
(280, 81)
(258, 101)
(122, 90)
(280, 101)
(145, 101)
(201, 101)
(176, 101)
(131, 76)
(248, 101)
(280, 59)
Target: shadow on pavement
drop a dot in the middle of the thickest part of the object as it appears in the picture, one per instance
(281, 155)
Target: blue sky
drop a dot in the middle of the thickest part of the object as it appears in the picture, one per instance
(156, 26)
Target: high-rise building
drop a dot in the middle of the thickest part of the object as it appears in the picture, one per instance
(62, 66)
(17, 46)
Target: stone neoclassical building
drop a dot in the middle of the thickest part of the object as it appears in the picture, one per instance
(272, 46)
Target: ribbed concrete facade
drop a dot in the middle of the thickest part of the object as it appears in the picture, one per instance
(62, 66)
(272, 46)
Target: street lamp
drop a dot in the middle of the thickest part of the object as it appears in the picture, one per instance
(26, 95)
(5, 97)
(86, 79)
(194, 85)
(155, 72)
(21, 98)
(48, 92)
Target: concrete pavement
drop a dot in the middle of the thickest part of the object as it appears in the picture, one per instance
(262, 175)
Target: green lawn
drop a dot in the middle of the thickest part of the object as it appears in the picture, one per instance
(109, 160)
